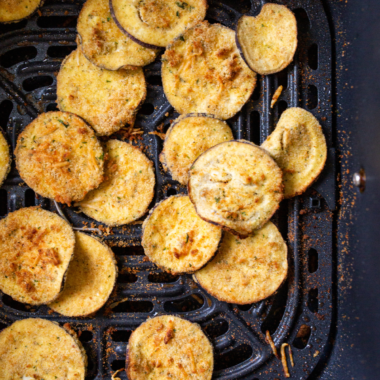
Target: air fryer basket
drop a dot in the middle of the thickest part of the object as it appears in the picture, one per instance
(300, 313)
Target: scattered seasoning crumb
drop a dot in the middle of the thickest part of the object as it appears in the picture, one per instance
(113, 377)
(269, 340)
(316, 353)
(160, 135)
(276, 95)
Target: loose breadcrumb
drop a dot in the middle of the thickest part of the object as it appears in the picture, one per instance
(269, 339)
(276, 95)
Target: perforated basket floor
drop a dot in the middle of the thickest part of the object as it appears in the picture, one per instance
(300, 313)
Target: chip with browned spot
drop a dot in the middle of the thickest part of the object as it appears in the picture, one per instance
(169, 347)
(36, 247)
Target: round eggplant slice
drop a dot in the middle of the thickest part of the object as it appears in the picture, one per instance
(17, 10)
(169, 347)
(36, 247)
(107, 100)
(5, 158)
(298, 145)
(35, 348)
(236, 185)
(154, 23)
(248, 270)
(90, 279)
(187, 138)
(104, 44)
(176, 239)
(128, 190)
(59, 157)
(268, 41)
(202, 71)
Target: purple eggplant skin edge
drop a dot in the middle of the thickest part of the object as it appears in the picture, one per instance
(228, 229)
(134, 39)
(239, 45)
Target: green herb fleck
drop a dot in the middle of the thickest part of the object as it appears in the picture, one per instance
(62, 122)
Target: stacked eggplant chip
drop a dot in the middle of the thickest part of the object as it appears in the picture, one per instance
(43, 262)
(221, 233)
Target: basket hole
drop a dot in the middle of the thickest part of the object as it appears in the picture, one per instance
(257, 91)
(315, 203)
(282, 78)
(5, 28)
(117, 364)
(155, 80)
(127, 277)
(3, 202)
(281, 106)
(172, 191)
(312, 260)
(91, 368)
(57, 21)
(255, 127)
(60, 51)
(121, 335)
(273, 319)
(18, 55)
(134, 307)
(3, 326)
(303, 22)
(147, 109)
(30, 199)
(312, 96)
(242, 6)
(190, 303)
(234, 357)
(302, 337)
(312, 302)
(33, 83)
(130, 251)
(244, 307)
(52, 107)
(312, 57)
(9, 301)
(216, 328)
(6, 108)
(86, 336)
(162, 278)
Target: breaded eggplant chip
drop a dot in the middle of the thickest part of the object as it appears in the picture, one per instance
(268, 41)
(128, 190)
(17, 10)
(35, 348)
(298, 145)
(36, 247)
(169, 347)
(59, 157)
(237, 185)
(107, 100)
(202, 71)
(104, 44)
(187, 138)
(176, 239)
(5, 158)
(154, 23)
(247, 270)
(90, 279)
